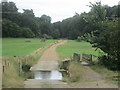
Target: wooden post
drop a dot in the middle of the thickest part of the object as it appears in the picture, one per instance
(20, 66)
(87, 57)
(3, 69)
(76, 57)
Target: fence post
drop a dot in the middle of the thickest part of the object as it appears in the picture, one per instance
(90, 57)
(20, 66)
(76, 57)
(87, 57)
(3, 69)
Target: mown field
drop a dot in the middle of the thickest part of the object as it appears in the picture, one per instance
(72, 46)
(19, 47)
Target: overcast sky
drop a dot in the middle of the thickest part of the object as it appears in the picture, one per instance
(59, 9)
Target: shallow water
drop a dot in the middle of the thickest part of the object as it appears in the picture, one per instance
(47, 75)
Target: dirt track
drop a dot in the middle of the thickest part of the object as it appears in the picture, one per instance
(49, 61)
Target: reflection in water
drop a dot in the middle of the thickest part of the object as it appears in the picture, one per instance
(49, 75)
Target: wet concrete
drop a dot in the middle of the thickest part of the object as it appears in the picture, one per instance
(46, 75)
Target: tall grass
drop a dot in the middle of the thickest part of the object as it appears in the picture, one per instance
(11, 78)
(77, 72)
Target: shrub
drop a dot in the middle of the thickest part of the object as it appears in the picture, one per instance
(108, 61)
(26, 67)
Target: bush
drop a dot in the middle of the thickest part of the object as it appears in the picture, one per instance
(47, 36)
(108, 62)
(26, 32)
(26, 67)
(43, 39)
(79, 39)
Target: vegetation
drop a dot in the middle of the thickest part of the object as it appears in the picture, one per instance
(22, 46)
(99, 27)
(79, 75)
(11, 77)
(16, 24)
(72, 46)
(110, 76)
(78, 72)
(27, 59)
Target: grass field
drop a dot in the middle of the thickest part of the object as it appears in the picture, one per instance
(19, 46)
(72, 46)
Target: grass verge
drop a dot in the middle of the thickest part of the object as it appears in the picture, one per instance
(108, 74)
(77, 72)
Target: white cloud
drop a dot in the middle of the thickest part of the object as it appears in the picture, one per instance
(58, 9)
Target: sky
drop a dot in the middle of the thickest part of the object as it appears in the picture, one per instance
(59, 9)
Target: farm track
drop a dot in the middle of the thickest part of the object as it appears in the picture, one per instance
(94, 80)
(49, 61)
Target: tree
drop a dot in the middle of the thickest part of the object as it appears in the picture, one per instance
(45, 18)
(27, 33)
(106, 38)
(28, 12)
(9, 7)
(55, 33)
(98, 11)
(10, 29)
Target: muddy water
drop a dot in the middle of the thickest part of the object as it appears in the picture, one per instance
(46, 75)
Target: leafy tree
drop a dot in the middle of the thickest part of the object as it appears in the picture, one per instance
(106, 38)
(10, 29)
(9, 7)
(27, 33)
(28, 12)
(55, 33)
(45, 18)
(47, 36)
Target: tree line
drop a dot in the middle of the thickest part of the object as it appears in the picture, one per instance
(16, 24)
(100, 27)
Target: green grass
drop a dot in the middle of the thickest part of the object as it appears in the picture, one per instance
(0, 46)
(108, 74)
(18, 47)
(72, 46)
(28, 55)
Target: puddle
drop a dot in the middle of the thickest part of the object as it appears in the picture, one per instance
(47, 75)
